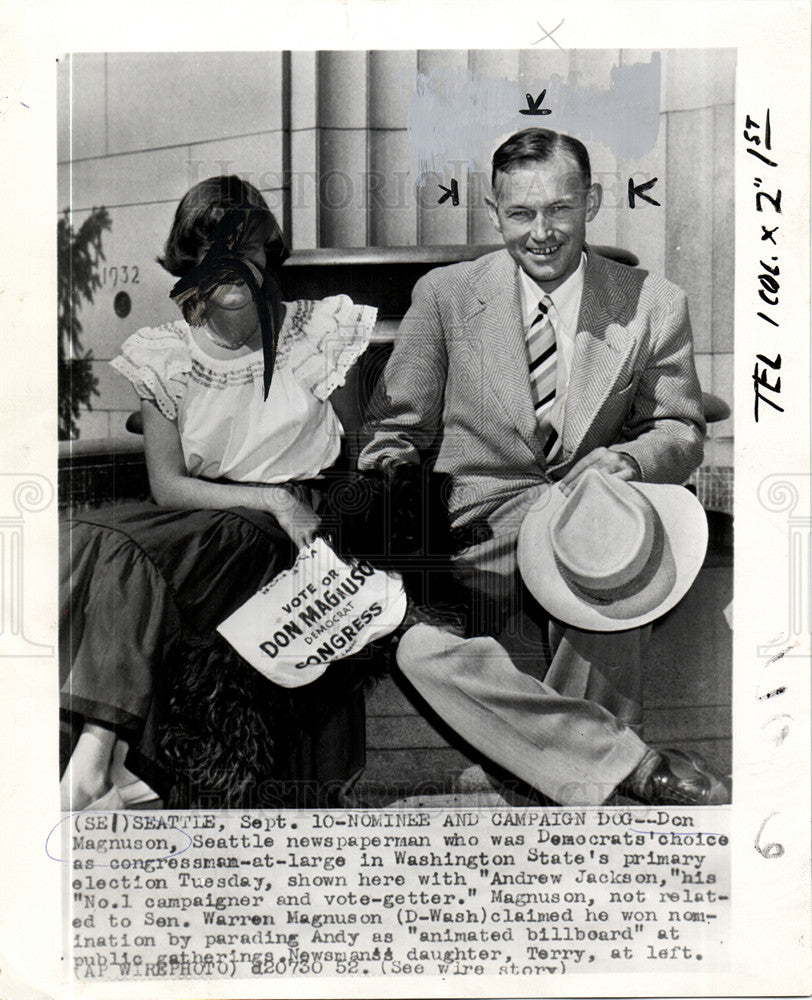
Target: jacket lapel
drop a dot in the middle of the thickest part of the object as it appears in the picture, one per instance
(497, 329)
(601, 345)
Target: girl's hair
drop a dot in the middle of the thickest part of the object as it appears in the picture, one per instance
(199, 211)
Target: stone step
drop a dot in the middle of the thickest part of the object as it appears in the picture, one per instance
(662, 725)
(398, 732)
(387, 699)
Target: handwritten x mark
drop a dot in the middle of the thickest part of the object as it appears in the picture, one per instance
(548, 34)
(3, 107)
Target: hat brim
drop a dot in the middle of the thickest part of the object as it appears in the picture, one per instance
(685, 541)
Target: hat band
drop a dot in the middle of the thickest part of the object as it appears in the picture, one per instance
(643, 578)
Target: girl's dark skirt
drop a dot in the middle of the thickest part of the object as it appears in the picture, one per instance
(142, 590)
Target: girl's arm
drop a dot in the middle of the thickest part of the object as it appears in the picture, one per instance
(172, 486)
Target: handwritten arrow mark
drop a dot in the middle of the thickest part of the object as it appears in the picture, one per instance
(637, 190)
(453, 193)
(533, 106)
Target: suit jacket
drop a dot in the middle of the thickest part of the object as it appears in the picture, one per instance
(458, 382)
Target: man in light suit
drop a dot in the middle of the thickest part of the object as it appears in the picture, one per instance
(528, 365)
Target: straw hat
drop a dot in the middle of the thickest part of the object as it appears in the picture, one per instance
(612, 555)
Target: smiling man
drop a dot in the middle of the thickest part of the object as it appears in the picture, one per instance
(524, 367)
(541, 207)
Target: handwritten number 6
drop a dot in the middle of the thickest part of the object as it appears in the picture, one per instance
(773, 850)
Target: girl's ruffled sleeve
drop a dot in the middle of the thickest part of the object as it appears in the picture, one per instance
(325, 339)
(157, 362)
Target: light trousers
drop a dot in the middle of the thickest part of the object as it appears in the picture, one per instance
(555, 705)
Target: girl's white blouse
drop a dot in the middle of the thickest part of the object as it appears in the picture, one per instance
(226, 428)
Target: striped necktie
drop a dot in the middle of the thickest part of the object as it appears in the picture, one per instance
(541, 349)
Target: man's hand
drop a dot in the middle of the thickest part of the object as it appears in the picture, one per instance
(612, 463)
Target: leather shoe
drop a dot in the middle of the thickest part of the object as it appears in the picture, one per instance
(674, 778)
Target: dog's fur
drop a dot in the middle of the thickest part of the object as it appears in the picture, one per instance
(225, 729)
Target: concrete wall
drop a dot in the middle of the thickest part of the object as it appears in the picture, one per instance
(325, 136)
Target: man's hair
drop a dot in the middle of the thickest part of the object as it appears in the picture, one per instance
(199, 211)
(537, 145)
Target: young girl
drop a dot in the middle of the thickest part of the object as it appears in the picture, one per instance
(237, 422)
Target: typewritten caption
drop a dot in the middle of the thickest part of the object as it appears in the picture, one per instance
(417, 892)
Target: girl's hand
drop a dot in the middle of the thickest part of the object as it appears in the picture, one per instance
(297, 518)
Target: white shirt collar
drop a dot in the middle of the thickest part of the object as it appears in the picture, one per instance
(566, 299)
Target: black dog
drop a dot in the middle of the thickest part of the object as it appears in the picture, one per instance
(227, 732)
(397, 520)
